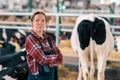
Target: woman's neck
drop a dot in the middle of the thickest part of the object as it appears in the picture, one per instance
(40, 34)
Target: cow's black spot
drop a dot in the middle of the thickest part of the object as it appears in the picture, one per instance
(84, 33)
(87, 29)
(99, 32)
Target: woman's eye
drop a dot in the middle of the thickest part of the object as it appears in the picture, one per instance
(43, 20)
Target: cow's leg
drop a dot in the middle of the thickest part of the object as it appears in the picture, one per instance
(101, 65)
(92, 69)
(79, 67)
(84, 65)
(85, 71)
(80, 71)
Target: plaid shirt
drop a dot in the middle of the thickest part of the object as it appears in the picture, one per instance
(35, 54)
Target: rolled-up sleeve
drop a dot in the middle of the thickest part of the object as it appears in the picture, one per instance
(59, 59)
(34, 51)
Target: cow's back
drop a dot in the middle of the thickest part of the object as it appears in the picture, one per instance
(98, 30)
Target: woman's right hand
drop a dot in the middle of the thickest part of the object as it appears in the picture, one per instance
(54, 60)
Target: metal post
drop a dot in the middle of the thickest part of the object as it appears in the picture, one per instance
(57, 30)
(30, 5)
(58, 18)
(112, 11)
(58, 8)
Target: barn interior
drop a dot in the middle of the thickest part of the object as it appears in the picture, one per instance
(61, 14)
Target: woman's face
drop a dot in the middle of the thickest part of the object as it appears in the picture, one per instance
(39, 23)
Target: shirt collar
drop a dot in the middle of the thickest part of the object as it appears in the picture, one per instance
(35, 34)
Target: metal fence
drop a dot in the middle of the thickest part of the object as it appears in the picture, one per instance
(57, 24)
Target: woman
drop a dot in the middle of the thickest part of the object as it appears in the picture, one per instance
(42, 54)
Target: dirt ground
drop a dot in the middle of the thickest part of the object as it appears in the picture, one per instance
(66, 74)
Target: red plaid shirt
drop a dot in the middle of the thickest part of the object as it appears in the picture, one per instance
(35, 55)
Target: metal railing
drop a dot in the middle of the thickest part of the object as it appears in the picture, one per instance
(56, 29)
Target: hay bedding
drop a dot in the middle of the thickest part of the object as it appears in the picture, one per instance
(66, 49)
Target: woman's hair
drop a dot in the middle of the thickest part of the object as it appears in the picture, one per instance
(38, 13)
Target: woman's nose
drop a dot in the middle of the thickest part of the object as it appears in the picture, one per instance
(39, 22)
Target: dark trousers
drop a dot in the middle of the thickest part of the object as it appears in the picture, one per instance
(43, 75)
(56, 73)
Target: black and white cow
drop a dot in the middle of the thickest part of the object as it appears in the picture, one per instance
(6, 48)
(10, 60)
(91, 37)
(14, 35)
(117, 44)
(17, 72)
(14, 66)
